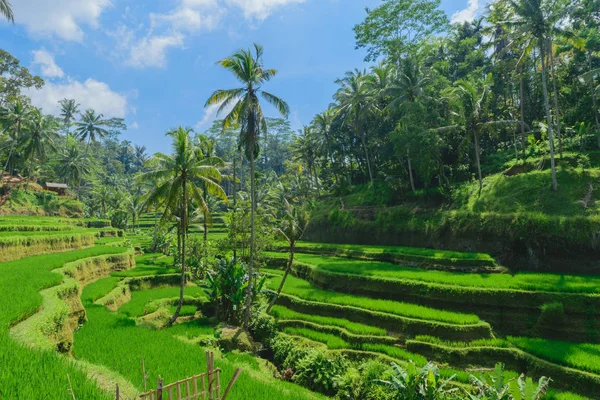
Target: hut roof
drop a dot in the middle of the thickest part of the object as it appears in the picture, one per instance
(50, 185)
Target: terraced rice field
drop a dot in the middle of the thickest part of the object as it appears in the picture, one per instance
(111, 344)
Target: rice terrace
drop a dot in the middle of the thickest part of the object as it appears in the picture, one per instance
(384, 200)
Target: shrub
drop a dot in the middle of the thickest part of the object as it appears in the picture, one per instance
(419, 383)
(318, 371)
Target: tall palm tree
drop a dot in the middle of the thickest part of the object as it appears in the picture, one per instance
(534, 22)
(15, 118)
(91, 127)
(6, 10)
(471, 98)
(206, 152)
(177, 176)
(306, 147)
(356, 104)
(322, 124)
(69, 108)
(247, 114)
(73, 166)
(40, 137)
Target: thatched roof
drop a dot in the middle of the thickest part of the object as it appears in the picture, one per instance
(50, 185)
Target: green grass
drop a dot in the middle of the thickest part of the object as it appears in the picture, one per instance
(140, 299)
(305, 290)
(520, 281)
(335, 343)
(32, 372)
(332, 341)
(393, 250)
(583, 356)
(284, 313)
(531, 192)
(113, 340)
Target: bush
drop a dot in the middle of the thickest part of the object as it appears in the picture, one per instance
(318, 371)
(359, 382)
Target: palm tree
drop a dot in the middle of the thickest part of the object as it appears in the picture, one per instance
(73, 166)
(40, 137)
(177, 188)
(534, 22)
(90, 127)
(6, 10)
(306, 146)
(409, 83)
(206, 152)
(292, 225)
(356, 104)
(471, 98)
(15, 117)
(247, 114)
(68, 109)
(322, 124)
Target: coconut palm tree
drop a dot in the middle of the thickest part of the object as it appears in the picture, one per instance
(40, 137)
(178, 176)
(306, 147)
(69, 108)
(73, 166)
(471, 99)
(15, 118)
(356, 104)
(91, 127)
(292, 225)
(247, 114)
(534, 22)
(6, 10)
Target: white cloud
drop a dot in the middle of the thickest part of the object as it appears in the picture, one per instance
(151, 50)
(58, 18)
(260, 9)
(90, 94)
(169, 30)
(211, 114)
(135, 125)
(188, 19)
(47, 65)
(468, 14)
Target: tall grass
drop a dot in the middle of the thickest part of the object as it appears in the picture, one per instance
(284, 313)
(305, 290)
(393, 250)
(583, 356)
(523, 280)
(113, 340)
(26, 373)
(335, 343)
(140, 299)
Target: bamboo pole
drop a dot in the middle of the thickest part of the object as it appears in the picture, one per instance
(234, 378)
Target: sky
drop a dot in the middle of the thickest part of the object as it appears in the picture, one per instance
(153, 62)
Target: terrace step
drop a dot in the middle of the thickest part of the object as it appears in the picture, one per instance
(396, 325)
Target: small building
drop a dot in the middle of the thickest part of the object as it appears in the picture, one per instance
(59, 188)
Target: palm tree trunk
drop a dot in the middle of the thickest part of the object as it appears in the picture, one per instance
(477, 159)
(12, 146)
(364, 142)
(183, 242)
(285, 275)
(556, 107)
(522, 101)
(234, 211)
(252, 229)
(548, 117)
(410, 173)
(594, 100)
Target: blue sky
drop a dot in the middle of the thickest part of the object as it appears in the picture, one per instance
(153, 62)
